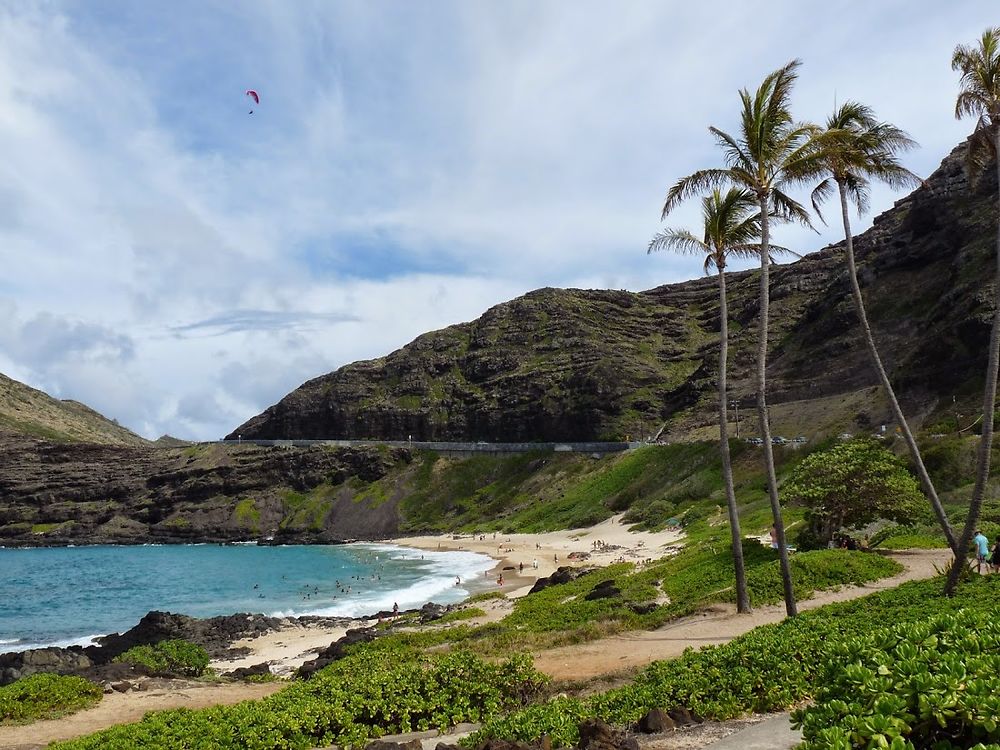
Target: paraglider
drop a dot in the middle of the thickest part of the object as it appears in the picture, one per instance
(253, 97)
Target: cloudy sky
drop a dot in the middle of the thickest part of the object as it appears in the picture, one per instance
(180, 264)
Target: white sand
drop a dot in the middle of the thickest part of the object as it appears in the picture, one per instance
(551, 549)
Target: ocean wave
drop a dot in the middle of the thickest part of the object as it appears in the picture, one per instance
(438, 584)
(9, 646)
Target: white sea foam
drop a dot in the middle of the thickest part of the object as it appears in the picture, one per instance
(439, 584)
(7, 646)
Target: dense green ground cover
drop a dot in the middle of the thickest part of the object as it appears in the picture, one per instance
(45, 696)
(933, 683)
(175, 657)
(364, 695)
(770, 668)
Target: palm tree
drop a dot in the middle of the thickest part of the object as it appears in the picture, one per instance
(772, 153)
(732, 228)
(980, 97)
(857, 148)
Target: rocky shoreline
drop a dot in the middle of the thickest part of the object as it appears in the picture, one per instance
(217, 635)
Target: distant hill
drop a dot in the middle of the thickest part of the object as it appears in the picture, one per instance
(169, 441)
(571, 364)
(33, 413)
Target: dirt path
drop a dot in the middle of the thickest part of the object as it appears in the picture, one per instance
(718, 624)
(121, 708)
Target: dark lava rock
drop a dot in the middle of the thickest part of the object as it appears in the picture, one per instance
(431, 611)
(597, 735)
(254, 670)
(654, 721)
(335, 650)
(684, 717)
(643, 608)
(564, 574)
(15, 665)
(384, 745)
(603, 590)
(214, 634)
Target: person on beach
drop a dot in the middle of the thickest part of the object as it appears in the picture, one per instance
(520, 567)
(534, 563)
(395, 609)
(982, 550)
(500, 580)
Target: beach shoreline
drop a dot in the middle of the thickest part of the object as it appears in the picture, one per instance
(515, 557)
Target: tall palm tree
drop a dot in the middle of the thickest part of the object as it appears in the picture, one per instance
(731, 230)
(856, 148)
(980, 97)
(772, 153)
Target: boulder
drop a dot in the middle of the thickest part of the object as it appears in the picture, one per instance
(604, 590)
(384, 745)
(431, 611)
(597, 735)
(654, 721)
(254, 670)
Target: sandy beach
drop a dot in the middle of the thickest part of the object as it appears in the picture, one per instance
(553, 549)
(288, 648)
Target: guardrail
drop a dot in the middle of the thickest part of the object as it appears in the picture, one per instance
(449, 447)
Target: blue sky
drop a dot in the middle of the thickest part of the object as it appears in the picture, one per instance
(179, 264)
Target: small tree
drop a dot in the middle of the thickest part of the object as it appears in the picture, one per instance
(850, 485)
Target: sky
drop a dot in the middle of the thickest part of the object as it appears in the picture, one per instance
(180, 264)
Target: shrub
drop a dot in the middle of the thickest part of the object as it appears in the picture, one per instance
(45, 696)
(934, 683)
(176, 657)
(367, 694)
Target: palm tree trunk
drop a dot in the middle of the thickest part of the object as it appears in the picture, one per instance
(897, 412)
(742, 595)
(765, 426)
(989, 404)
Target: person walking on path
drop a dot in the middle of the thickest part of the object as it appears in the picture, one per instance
(982, 550)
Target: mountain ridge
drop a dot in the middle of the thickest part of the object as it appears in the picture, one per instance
(567, 364)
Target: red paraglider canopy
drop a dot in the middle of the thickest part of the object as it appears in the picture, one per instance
(253, 95)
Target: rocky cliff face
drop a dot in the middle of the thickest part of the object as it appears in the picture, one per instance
(53, 494)
(562, 364)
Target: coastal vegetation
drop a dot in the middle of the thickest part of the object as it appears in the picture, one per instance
(173, 657)
(364, 695)
(46, 696)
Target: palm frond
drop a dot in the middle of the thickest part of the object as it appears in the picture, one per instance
(686, 187)
(786, 208)
(678, 240)
(820, 193)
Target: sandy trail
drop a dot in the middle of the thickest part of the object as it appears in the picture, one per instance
(716, 625)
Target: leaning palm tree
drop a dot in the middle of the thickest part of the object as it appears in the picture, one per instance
(732, 229)
(856, 148)
(772, 153)
(980, 97)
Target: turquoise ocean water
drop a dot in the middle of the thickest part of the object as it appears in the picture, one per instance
(67, 595)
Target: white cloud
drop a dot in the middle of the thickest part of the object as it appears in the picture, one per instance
(179, 264)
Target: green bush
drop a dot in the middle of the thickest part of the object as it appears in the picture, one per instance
(934, 683)
(45, 696)
(176, 657)
(367, 694)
